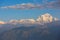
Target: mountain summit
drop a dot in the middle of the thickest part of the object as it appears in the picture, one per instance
(46, 18)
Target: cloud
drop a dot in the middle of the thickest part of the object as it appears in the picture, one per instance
(4, 7)
(1, 22)
(53, 4)
(24, 6)
(56, 19)
(57, 4)
(44, 4)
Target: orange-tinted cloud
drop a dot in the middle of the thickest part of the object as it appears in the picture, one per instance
(1, 22)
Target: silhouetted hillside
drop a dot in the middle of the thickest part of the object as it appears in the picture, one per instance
(50, 31)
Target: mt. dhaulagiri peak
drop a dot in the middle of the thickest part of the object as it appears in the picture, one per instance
(46, 18)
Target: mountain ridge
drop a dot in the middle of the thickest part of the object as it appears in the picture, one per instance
(45, 18)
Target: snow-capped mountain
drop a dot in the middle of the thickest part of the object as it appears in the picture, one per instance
(46, 18)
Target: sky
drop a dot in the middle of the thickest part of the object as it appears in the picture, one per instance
(26, 9)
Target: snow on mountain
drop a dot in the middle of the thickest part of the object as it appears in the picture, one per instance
(45, 18)
(32, 21)
(22, 21)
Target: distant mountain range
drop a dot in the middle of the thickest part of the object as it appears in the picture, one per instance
(45, 18)
(45, 27)
(41, 20)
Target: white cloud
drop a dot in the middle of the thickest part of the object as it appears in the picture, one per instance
(4, 7)
(52, 4)
(56, 19)
(24, 6)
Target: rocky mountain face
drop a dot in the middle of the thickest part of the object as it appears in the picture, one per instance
(46, 18)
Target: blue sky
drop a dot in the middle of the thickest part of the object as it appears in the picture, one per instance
(12, 13)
